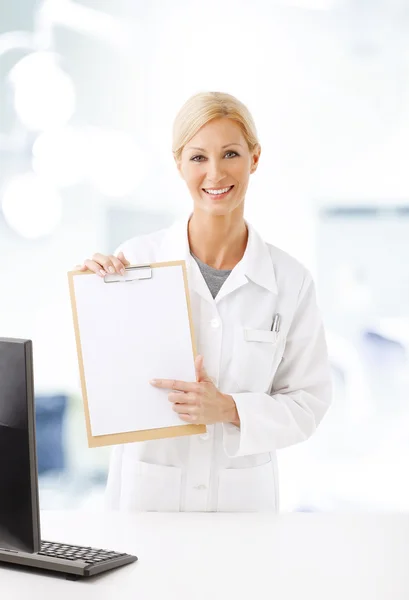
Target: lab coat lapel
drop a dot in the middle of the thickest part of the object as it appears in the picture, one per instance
(235, 280)
(256, 265)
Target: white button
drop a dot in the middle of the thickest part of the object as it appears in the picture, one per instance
(215, 323)
(200, 487)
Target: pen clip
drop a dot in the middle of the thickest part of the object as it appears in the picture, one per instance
(276, 323)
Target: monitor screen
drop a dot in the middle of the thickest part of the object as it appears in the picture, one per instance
(19, 506)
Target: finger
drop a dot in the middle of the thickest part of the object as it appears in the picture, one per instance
(188, 418)
(95, 267)
(186, 410)
(118, 265)
(183, 398)
(123, 260)
(201, 374)
(105, 262)
(173, 384)
(198, 366)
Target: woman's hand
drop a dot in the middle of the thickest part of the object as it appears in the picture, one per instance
(104, 265)
(201, 401)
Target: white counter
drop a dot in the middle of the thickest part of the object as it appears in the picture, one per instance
(188, 556)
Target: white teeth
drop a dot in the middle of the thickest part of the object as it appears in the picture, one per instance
(217, 192)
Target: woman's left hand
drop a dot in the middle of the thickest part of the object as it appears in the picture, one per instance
(200, 401)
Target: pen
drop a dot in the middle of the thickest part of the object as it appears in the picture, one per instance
(276, 323)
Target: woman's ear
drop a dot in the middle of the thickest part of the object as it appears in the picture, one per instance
(255, 157)
(178, 165)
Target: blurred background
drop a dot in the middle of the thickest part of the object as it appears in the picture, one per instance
(88, 93)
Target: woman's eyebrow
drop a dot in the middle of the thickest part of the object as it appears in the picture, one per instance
(203, 150)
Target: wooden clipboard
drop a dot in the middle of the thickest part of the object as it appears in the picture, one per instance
(133, 272)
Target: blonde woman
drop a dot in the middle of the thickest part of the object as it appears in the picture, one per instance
(262, 374)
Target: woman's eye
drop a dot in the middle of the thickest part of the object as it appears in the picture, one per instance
(201, 158)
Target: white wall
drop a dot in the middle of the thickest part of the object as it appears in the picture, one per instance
(34, 298)
(329, 91)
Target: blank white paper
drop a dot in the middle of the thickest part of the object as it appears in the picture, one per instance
(130, 333)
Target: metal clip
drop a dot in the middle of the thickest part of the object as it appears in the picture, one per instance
(131, 274)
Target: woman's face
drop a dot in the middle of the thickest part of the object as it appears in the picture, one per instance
(218, 159)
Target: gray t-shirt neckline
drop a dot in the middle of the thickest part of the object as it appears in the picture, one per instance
(214, 278)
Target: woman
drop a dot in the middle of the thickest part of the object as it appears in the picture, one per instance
(263, 378)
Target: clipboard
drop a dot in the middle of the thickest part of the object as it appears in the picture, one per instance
(125, 297)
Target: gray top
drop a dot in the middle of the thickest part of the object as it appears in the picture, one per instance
(213, 277)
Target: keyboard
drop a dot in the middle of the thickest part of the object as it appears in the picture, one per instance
(91, 556)
(74, 561)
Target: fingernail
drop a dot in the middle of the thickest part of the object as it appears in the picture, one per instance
(153, 381)
(111, 269)
(122, 271)
(102, 272)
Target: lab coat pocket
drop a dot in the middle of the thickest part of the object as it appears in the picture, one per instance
(251, 489)
(151, 487)
(255, 351)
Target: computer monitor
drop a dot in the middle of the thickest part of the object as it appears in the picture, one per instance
(19, 502)
(20, 540)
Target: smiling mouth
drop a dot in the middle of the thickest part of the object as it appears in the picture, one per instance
(218, 193)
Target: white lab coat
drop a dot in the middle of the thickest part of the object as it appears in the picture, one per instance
(280, 383)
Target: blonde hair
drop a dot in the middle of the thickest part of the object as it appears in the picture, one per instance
(202, 108)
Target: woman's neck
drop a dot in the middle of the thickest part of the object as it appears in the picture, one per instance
(219, 242)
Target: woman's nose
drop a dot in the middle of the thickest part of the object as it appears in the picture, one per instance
(215, 172)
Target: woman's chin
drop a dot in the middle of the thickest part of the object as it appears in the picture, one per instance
(217, 209)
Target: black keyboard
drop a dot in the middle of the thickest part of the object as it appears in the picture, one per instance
(74, 561)
(91, 556)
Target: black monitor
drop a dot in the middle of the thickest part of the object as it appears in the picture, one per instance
(20, 541)
(19, 503)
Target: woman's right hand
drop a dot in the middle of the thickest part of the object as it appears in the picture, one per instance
(102, 264)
